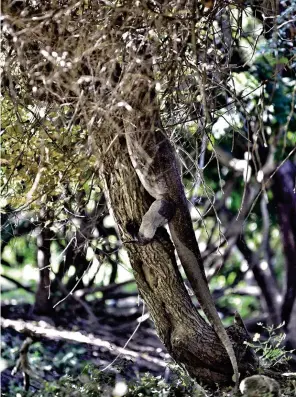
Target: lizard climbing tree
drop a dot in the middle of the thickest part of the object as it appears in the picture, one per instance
(188, 338)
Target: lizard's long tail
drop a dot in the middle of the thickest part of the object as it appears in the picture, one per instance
(194, 270)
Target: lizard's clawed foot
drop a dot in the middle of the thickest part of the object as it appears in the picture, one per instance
(139, 238)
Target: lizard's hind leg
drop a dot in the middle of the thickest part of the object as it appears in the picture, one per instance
(160, 212)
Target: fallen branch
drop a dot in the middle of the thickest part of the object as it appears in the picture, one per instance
(152, 363)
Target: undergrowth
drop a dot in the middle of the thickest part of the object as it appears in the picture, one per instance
(92, 382)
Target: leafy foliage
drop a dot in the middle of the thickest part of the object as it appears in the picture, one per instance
(271, 350)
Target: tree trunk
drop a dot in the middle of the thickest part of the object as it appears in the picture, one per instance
(43, 303)
(285, 200)
(188, 338)
(291, 331)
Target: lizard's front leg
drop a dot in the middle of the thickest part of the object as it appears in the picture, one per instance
(160, 212)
